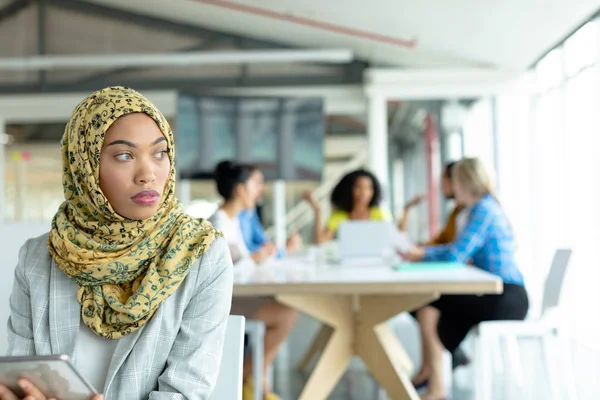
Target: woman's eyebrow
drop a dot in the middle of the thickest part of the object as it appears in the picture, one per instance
(133, 145)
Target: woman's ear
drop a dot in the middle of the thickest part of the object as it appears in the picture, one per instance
(239, 190)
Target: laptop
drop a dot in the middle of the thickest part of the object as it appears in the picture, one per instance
(369, 241)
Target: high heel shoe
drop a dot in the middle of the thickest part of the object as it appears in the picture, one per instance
(421, 385)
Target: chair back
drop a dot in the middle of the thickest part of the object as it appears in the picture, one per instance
(229, 383)
(554, 281)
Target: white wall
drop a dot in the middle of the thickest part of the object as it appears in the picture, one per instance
(12, 237)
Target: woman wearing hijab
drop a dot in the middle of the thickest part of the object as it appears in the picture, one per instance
(136, 292)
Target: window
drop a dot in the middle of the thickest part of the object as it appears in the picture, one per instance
(549, 157)
(478, 133)
(583, 48)
(550, 70)
(33, 184)
(581, 163)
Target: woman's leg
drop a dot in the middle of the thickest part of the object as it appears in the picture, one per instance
(444, 324)
(433, 351)
(279, 321)
(425, 370)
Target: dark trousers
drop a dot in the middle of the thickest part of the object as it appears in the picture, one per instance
(460, 313)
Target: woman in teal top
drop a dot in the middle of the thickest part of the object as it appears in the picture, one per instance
(356, 197)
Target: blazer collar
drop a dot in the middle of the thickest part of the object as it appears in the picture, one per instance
(65, 320)
(64, 312)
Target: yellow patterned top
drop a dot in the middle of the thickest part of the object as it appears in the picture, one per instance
(124, 268)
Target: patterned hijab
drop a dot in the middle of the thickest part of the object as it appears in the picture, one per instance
(124, 268)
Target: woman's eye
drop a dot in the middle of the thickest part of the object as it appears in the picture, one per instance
(123, 157)
(162, 154)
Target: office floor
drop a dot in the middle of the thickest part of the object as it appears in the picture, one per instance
(357, 383)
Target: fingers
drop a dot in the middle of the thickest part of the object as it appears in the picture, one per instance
(6, 394)
(308, 196)
(418, 199)
(98, 397)
(31, 392)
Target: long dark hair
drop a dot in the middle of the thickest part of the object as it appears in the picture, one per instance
(342, 197)
(229, 174)
(448, 169)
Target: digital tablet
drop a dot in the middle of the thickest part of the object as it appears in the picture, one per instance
(55, 376)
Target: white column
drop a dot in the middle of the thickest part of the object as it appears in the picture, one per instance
(184, 192)
(2, 173)
(279, 212)
(378, 142)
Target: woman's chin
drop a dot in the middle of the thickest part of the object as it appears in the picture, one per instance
(138, 213)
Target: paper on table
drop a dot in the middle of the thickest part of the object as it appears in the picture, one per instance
(400, 240)
(428, 266)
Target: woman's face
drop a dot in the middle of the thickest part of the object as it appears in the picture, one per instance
(461, 195)
(447, 186)
(134, 166)
(363, 191)
(252, 190)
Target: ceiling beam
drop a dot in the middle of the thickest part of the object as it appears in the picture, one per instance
(185, 83)
(13, 9)
(146, 21)
(102, 78)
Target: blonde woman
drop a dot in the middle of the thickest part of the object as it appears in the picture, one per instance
(488, 241)
(135, 291)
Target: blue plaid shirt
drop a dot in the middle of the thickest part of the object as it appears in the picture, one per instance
(487, 239)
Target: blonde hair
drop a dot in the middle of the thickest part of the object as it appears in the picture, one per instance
(472, 176)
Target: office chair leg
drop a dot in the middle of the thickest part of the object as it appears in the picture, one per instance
(514, 358)
(483, 378)
(566, 359)
(550, 365)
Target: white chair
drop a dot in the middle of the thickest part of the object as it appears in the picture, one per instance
(549, 326)
(229, 383)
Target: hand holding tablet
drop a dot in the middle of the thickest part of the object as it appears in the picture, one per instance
(41, 378)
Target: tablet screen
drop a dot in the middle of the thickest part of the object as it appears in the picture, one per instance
(54, 376)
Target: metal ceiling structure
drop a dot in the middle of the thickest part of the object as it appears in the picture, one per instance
(207, 39)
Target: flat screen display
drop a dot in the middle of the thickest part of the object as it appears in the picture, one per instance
(282, 136)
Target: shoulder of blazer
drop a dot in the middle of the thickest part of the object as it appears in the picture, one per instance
(213, 263)
(34, 254)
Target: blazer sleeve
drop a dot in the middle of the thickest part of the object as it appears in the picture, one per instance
(195, 358)
(20, 324)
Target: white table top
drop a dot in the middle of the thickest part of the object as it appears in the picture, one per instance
(297, 276)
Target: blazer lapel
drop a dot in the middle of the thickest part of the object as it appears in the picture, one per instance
(64, 312)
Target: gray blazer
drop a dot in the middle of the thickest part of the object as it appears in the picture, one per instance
(176, 355)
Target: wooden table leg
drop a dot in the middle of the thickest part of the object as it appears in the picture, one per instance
(336, 312)
(361, 332)
(379, 348)
(318, 344)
